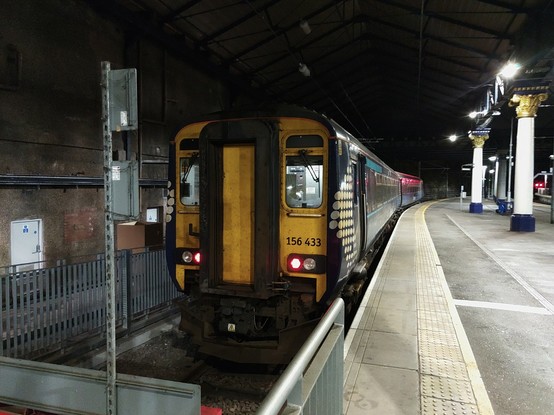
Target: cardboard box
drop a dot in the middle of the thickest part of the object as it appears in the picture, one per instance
(130, 235)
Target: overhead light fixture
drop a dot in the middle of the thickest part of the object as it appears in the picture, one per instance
(453, 138)
(509, 70)
(475, 114)
(304, 70)
(305, 26)
(492, 158)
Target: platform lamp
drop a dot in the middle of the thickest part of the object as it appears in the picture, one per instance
(508, 72)
(453, 138)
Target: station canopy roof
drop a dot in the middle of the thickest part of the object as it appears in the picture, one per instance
(402, 75)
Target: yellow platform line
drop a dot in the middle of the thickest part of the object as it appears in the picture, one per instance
(444, 348)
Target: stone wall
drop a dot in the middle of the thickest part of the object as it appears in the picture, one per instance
(50, 116)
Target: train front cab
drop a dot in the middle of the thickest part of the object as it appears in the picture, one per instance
(250, 223)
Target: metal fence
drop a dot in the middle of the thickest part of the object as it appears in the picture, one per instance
(312, 384)
(44, 310)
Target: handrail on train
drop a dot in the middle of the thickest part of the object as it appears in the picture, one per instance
(291, 379)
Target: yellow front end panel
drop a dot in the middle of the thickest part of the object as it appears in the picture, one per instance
(238, 214)
(308, 236)
(303, 230)
(187, 215)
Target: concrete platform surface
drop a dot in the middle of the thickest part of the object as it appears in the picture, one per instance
(458, 318)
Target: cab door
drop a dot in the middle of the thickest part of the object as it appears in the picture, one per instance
(238, 205)
(360, 185)
(357, 209)
(239, 185)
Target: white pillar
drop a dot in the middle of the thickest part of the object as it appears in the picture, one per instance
(495, 181)
(523, 220)
(502, 165)
(478, 139)
(477, 176)
(525, 161)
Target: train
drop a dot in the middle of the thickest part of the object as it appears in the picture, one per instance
(271, 214)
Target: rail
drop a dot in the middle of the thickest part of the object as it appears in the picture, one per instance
(313, 381)
(43, 311)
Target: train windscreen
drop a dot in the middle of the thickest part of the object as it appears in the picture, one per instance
(189, 180)
(303, 181)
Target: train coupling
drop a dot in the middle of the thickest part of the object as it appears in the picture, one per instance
(280, 286)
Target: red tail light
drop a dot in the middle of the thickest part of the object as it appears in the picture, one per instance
(295, 263)
(309, 263)
(189, 256)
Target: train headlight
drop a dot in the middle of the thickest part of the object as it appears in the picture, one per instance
(309, 264)
(187, 257)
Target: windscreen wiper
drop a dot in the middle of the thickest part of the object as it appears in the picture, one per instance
(192, 162)
(307, 164)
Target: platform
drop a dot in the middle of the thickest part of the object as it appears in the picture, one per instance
(457, 319)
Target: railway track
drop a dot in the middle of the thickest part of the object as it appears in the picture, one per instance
(236, 389)
(235, 393)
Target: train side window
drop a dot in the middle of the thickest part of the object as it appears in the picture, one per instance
(189, 180)
(371, 189)
(355, 182)
(304, 175)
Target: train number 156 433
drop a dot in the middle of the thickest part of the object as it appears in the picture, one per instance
(299, 240)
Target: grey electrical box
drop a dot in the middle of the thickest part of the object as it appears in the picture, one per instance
(125, 190)
(123, 99)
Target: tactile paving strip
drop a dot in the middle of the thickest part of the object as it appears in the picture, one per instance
(441, 318)
(439, 406)
(444, 381)
(442, 367)
(449, 389)
(434, 296)
(441, 351)
(438, 337)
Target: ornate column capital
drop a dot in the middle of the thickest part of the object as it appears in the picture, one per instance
(478, 138)
(527, 105)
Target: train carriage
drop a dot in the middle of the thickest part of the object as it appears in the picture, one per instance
(411, 189)
(270, 214)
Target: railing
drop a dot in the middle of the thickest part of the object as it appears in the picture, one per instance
(312, 384)
(44, 310)
(68, 390)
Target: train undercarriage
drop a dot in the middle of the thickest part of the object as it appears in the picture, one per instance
(249, 330)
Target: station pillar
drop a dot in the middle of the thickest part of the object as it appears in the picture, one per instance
(522, 219)
(478, 139)
(501, 178)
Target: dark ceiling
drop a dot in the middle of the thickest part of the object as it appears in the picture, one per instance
(400, 74)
